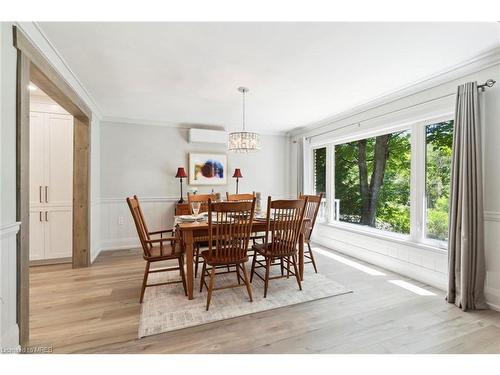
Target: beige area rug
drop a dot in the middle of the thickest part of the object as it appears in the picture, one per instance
(165, 308)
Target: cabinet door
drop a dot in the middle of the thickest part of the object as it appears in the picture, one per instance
(60, 164)
(37, 158)
(58, 233)
(37, 240)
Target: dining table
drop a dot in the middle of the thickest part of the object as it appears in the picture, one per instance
(197, 231)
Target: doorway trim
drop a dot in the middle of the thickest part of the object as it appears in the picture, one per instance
(32, 66)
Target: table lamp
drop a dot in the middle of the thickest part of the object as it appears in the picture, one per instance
(237, 174)
(181, 173)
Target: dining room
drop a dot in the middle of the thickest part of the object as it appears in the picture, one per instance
(258, 188)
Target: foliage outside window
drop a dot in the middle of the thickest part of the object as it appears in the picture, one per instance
(319, 161)
(372, 181)
(319, 178)
(439, 141)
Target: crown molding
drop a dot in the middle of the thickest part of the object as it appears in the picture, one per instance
(175, 125)
(39, 39)
(482, 61)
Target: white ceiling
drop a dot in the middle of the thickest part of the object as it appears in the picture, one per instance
(298, 73)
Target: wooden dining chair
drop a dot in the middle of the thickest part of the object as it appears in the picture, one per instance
(243, 197)
(285, 219)
(203, 198)
(228, 236)
(157, 250)
(312, 209)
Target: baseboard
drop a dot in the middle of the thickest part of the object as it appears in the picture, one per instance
(121, 244)
(492, 296)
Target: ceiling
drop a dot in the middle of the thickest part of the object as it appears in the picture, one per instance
(298, 73)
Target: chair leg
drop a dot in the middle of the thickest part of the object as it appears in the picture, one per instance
(253, 265)
(183, 275)
(210, 286)
(144, 281)
(196, 260)
(202, 276)
(266, 281)
(288, 268)
(238, 276)
(247, 282)
(296, 271)
(282, 266)
(312, 257)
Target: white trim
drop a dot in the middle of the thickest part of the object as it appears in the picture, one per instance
(66, 65)
(483, 61)
(382, 235)
(10, 229)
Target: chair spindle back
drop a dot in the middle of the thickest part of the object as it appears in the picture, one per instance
(203, 198)
(140, 224)
(229, 228)
(284, 224)
(312, 209)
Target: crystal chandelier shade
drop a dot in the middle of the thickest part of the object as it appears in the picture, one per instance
(243, 141)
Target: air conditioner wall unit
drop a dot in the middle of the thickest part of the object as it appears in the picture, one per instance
(207, 136)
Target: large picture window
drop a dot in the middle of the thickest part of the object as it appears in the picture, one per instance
(438, 142)
(372, 182)
(397, 181)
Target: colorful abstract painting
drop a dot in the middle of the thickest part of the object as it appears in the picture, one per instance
(207, 169)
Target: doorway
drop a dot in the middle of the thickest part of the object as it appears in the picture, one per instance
(33, 67)
(51, 181)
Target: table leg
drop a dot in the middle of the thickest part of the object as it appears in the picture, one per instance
(301, 256)
(188, 242)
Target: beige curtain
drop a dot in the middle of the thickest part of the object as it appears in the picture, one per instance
(466, 265)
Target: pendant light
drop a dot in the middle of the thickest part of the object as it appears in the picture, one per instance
(243, 141)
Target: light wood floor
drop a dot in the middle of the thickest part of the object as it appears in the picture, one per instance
(96, 310)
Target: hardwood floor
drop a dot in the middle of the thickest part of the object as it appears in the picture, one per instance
(96, 310)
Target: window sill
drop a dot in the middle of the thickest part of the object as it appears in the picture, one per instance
(386, 236)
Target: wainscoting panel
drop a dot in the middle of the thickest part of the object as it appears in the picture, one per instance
(9, 330)
(117, 227)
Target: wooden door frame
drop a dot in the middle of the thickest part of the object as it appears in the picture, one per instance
(32, 66)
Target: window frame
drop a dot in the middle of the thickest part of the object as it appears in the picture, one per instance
(418, 211)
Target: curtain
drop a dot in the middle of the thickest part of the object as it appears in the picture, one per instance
(466, 263)
(301, 168)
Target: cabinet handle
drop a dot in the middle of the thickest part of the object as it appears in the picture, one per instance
(40, 193)
(40, 215)
(46, 216)
(46, 194)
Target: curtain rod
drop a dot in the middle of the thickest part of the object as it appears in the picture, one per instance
(488, 84)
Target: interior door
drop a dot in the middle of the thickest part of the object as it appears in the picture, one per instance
(37, 158)
(59, 186)
(37, 240)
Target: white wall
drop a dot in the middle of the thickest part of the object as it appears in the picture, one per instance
(143, 160)
(419, 262)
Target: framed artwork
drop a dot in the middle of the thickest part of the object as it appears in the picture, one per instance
(207, 169)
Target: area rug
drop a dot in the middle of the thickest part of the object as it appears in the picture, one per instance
(165, 308)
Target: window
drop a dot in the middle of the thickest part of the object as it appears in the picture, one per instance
(372, 182)
(319, 178)
(319, 169)
(438, 143)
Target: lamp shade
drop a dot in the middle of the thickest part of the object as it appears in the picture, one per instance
(237, 173)
(181, 173)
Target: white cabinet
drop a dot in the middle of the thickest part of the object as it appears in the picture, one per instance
(51, 185)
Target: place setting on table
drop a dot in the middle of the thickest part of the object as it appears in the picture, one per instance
(227, 258)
